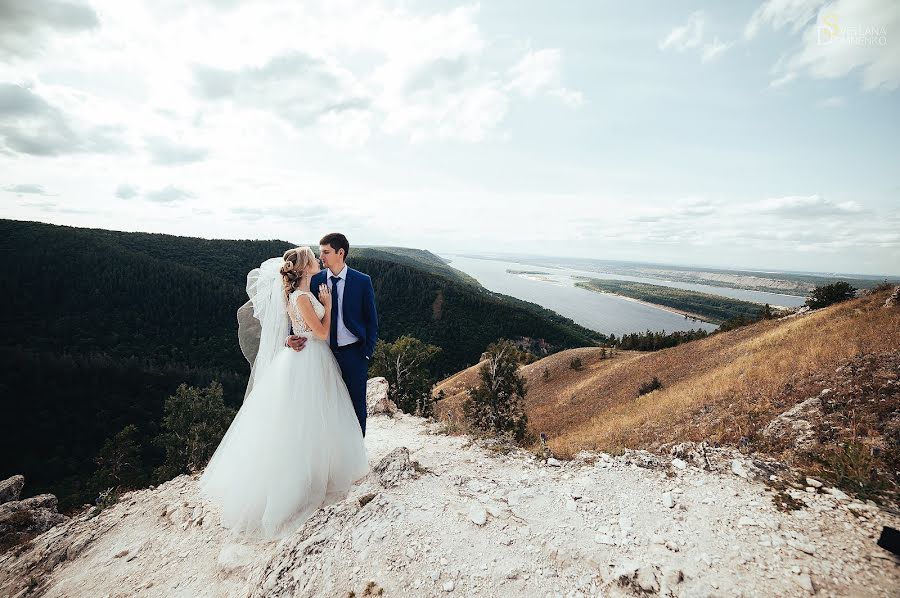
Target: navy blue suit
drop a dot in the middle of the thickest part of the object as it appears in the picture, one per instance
(361, 319)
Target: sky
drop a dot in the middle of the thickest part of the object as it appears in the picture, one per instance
(761, 135)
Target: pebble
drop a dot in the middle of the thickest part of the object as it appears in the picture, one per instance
(679, 464)
(449, 585)
(667, 500)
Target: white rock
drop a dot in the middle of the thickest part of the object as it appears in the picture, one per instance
(801, 546)
(813, 482)
(805, 582)
(838, 494)
(478, 514)
(605, 539)
(571, 505)
(410, 553)
(667, 500)
(858, 507)
(234, 557)
(737, 468)
(679, 464)
(554, 462)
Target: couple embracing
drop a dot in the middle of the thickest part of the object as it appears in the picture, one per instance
(297, 442)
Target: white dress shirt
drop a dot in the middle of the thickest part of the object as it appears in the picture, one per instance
(344, 336)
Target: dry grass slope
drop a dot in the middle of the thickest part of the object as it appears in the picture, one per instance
(723, 389)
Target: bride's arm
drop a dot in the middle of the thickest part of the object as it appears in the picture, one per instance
(320, 328)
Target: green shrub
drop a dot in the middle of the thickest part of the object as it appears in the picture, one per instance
(194, 422)
(830, 294)
(403, 364)
(497, 405)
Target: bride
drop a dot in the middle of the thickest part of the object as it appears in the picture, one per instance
(295, 444)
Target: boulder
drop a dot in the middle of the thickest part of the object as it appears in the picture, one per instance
(377, 401)
(795, 426)
(21, 520)
(11, 488)
(41, 501)
(394, 468)
(690, 452)
(894, 299)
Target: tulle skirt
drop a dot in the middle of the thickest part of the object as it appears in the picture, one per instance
(294, 445)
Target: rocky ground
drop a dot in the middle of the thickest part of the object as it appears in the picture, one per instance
(439, 515)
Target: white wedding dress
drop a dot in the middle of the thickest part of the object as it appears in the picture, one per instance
(294, 445)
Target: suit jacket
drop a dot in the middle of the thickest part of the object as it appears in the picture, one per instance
(358, 307)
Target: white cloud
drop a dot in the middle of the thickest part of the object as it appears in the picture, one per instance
(32, 125)
(541, 72)
(686, 36)
(714, 49)
(809, 206)
(783, 79)
(837, 39)
(168, 194)
(167, 152)
(691, 36)
(832, 102)
(125, 191)
(26, 25)
(781, 13)
(863, 38)
(28, 188)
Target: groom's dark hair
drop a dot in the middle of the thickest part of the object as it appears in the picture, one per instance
(337, 241)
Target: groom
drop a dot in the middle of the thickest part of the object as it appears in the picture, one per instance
(354, 323)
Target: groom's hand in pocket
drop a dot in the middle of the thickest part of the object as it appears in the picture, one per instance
(296, 342)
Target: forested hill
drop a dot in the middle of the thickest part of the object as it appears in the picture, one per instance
(101, 326)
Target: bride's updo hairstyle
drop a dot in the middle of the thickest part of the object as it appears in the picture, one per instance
(296, 261)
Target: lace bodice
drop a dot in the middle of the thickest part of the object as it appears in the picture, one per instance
(297, 322)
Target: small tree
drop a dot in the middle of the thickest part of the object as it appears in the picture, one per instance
(830, 294)
(194, 422)
(497, 404)
(403, 364)
(119, 462)
(576, 364)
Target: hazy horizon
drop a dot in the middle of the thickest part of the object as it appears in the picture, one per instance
(742, 135)
(499, 255)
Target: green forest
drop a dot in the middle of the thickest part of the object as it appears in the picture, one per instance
(100, 327)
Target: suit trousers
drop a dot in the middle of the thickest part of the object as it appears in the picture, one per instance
(355, 372)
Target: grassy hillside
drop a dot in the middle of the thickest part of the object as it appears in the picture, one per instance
(726, 388)
(101, 326)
